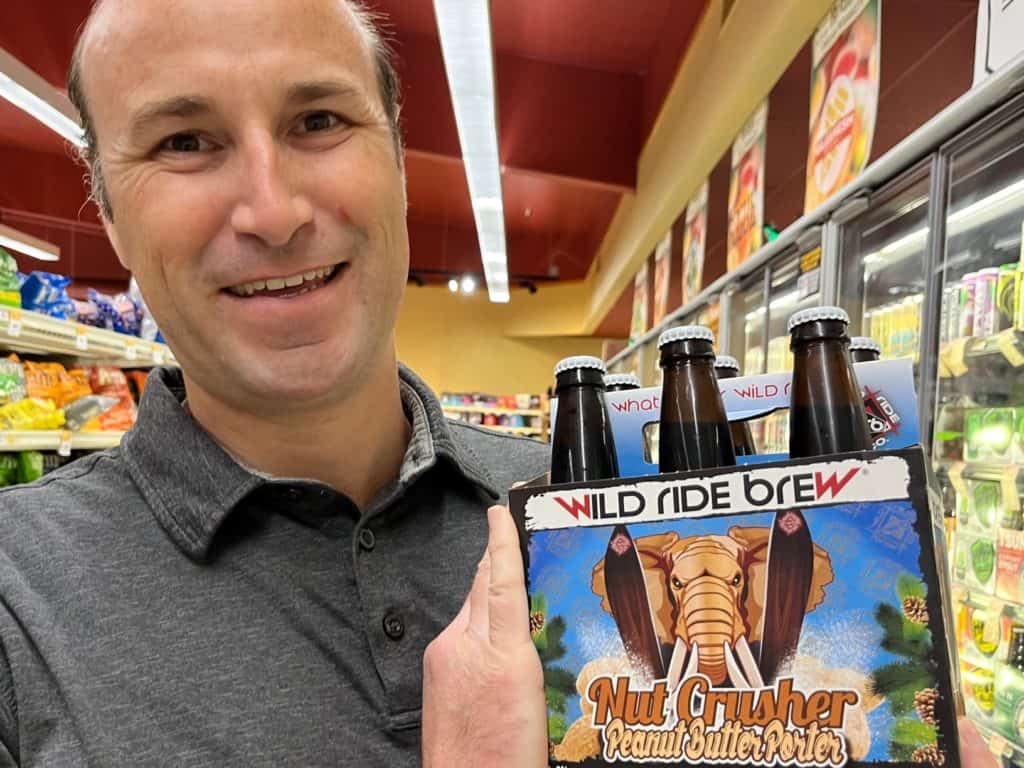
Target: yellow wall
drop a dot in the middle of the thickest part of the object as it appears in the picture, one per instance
(467, 344)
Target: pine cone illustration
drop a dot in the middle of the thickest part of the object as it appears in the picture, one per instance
(924, 703)
(536, 623)
(928, 754)
(915, 609)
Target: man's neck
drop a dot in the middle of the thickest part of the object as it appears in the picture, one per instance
(355, 446)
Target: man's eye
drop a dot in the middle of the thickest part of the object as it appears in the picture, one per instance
(185, 142)
(315, 122)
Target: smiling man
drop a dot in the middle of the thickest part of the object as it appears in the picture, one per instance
(254, 577)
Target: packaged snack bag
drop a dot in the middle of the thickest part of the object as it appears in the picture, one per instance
(118, 313)
(47, 294)
(50, 381)
(30, 466)
(12, 381)
(31, 414)
(10, 290)
(110, 381)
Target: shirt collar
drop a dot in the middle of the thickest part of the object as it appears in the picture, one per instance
(193, 485)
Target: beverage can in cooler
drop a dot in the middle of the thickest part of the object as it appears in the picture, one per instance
(944, 317)
(985, 301)
(953, 321)
(967, 290)
(1006, 296)
(1018, 310)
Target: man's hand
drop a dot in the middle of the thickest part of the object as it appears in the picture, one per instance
(483, 687)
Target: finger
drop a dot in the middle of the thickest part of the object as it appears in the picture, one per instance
(508, 611)
(973, 749)
(477, 600)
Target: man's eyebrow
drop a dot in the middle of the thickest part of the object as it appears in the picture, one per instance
(301, 93)
(174, 107)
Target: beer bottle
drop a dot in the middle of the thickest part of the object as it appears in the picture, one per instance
(864, 349)
(742, 441)
(827, 412)
(582, 447)
(620, 382)
(694, 432)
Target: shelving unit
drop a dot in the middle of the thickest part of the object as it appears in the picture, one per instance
(539, 417)
(61, 441)
(32, 333)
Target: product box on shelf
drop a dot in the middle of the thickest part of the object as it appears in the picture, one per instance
(690, 667)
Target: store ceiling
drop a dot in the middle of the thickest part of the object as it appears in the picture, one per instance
(579, 85)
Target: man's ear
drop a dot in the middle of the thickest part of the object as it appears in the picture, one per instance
(111, 231)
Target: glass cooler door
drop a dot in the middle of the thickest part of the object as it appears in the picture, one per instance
(978, 437)
(883, 267)
(746, 332)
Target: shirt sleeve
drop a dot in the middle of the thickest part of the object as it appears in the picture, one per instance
(8, 714)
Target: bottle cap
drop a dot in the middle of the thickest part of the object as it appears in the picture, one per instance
(815, 314)
(619, 379)
(579, 361)
(726, 361)
(686, 333)
(865, 342)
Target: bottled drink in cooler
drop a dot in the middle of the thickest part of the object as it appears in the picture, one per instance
(620, 382)
(827, 413)
(694, 431)
(864, 349)
(582, 446)
(742, 441)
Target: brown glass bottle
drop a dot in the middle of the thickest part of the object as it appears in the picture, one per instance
(620, 382)
(582, 446)
(864, 349)
(827, 412)
(694, 431)
(742, 441)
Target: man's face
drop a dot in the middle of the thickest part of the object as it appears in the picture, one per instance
(255, 191)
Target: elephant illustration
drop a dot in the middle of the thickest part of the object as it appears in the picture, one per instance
(707, 597)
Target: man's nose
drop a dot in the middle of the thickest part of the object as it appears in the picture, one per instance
(271, 204)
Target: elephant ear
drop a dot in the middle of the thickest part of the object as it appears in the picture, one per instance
(754, 543)
(656, 558)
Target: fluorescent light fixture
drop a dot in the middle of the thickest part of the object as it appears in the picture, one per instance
(785, 300)
(14, 240)
(468, 284)
(464, 27)
(453, 285)
(30, 93)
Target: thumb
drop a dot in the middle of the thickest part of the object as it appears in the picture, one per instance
(508, 612)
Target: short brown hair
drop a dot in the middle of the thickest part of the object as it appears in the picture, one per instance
(388, 85)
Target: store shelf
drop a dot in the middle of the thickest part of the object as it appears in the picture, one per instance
(957, 358)
(53, 440)
(32, 333)
(528, 431)
(496, 411)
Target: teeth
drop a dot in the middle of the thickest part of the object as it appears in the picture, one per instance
(277, 283)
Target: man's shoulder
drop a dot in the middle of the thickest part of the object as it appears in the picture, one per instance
(95, 481)
(508, 458)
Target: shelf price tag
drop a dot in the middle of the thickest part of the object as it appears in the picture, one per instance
(14, 324)
(81, 338)
(10, 440)
(64, 448)
(1007, 343)
(159, 358)
(1008, 489)
(131, 352)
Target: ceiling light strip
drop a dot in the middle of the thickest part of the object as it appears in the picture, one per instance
(464, 27)
(32, 94)
(16, 240)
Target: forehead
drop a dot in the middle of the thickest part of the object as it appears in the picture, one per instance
(137, 49)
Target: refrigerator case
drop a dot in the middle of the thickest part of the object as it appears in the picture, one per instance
(883, 267)
(978, 438)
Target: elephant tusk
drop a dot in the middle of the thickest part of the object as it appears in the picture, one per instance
(738, 680)
(693, 664)
(675, 665)
(746, 660)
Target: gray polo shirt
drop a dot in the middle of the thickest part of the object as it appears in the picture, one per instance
(160, 605)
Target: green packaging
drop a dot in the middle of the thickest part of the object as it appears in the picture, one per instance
(10, 290)
(30, 466)
(990, 434)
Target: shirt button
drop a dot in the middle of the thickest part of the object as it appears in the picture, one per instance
(294, 494)
(367, 540)
(394, 627)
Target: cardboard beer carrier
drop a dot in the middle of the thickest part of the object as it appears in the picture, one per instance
(685, 675)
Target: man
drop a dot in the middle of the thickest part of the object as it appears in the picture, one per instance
(252, 579)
